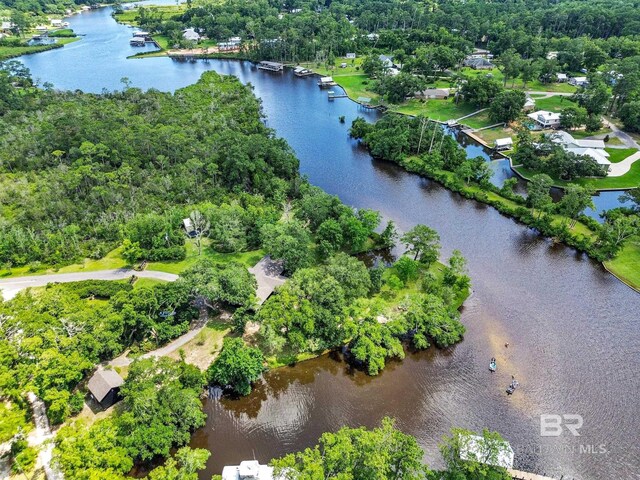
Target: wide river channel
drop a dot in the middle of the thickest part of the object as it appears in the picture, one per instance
(572, 328)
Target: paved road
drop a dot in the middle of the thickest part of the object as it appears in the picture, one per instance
(620, 168)
(548, 94)
(625, 137)
(9, 287)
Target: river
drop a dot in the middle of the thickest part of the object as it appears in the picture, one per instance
(572, 329)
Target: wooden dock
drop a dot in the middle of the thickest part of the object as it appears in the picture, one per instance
(519, 475)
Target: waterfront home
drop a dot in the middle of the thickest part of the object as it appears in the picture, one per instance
(351, 55)
(439, 93)
(478, 63)
(591, 148)
(503, 144)
(191, 35)
(56, 23)
(372, 37)
(104, 387)
(545, 119)
(562, 77)
(578, 81)
(6, 26)
(566, 140)
(600, 156)
(42, 29)
(248, 470)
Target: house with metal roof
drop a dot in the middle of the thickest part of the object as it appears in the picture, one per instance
(104, 387)
(478, 63)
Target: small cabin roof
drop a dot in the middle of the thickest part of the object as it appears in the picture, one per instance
(326, 79)
(102, 382)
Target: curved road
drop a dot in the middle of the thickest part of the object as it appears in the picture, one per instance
(10, 287)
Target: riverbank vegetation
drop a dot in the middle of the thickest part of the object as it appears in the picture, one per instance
(405, 47)
(386, 452)
(159, 410)
(370, 311)
(429, 151)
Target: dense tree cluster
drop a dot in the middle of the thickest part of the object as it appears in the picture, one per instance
(386, 453)
(237, 367)
(52, 339)
(160, 408)
(122, 165)
(342, 302)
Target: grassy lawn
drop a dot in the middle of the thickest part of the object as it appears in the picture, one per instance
(206, 345)
(441, 110)
(603, 131)
(110, 261)
(147, 282)
(492, 134)
(357, 85)
(129, 17)
(534, 85)
(618, 154)
(113, 260)
(553, 104)
(479, 121)
(626, 265)
(630, 180)
(248, 259)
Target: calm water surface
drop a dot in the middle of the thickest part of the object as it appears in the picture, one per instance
(573, 329)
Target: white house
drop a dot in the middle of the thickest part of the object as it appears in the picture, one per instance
(578, 81)
(191, 35)
(351, 55)
(562, 77)
(504, 144)
(591, 148)
(439, 93)
(599, 156)
(529, 104)
(56, 23)
(248, 470)
(545, 119)
(387, 62)
(566, 140)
